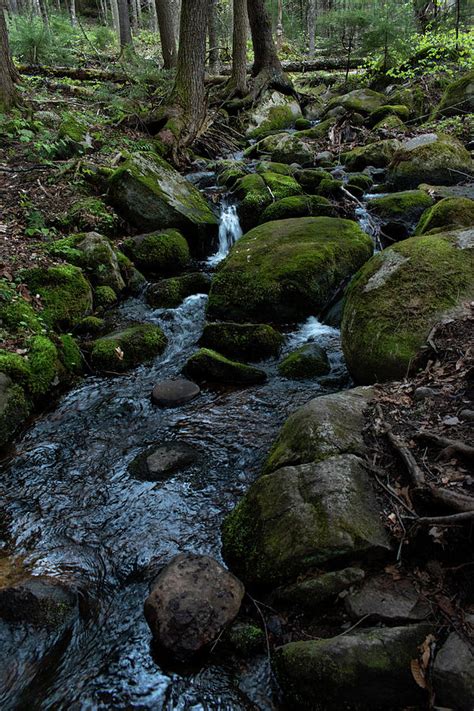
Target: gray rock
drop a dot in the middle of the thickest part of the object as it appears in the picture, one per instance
(424, 393)
(323, 159)
(100, 261)
(173, 393)
(159, 462)
(310, 594)
(192, 600)
(298, 518)
(453, 674)
(325, 426)
(467, 415)
(38, 601)
(364, 670)
(384, 598)
(307, 362)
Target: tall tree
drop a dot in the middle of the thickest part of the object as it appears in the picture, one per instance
(8, 74)
(266, 69)
(213, 37)
(124, 20)
(238, 80)
(311, 27)
(167, 33)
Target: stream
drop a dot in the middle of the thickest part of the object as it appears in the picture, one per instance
(75, 512)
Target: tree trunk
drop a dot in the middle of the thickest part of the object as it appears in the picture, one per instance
(153, 16)
(72, 12)
(311, 28)
(125, 29)
(267, 69)
(134, 13)
(115, 16)
(8, 75)
(239, 48)
(167, 33)
(213, 37)
(279, 27)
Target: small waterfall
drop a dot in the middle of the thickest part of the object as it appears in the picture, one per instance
(229, 232)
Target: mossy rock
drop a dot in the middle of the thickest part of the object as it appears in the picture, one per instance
(390, 123)
(302, 124)
(158, 252)
(65, 293)
(397, 297)
(246, 639)
(208, 365)
(44, 365)
(285, 270)
(458, 99)
(75, 138)
(447, 214)
(430, 158)
(310, 178)
(298, 206)
(362, 101)
(169, 293)
(91, 325)
(361, 180)
(104, 296)
(90, 215)
(400, 212)
(245, 341)
(70, 354)
(14, 408)
(17, 368)
(274, 113)
(377, 154)
(267, 166)
(317, 132)
(299, 518)
(329, 187)
(16, 313)
(134, 280)
(325, 674)
(306, 363)
(258, 191)
(282, 148)
(122, 350)
(154, 196)
(402, 112)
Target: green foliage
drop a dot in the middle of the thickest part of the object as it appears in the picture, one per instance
(34, 43)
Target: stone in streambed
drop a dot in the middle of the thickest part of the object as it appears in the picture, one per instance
(246, 341)
(159, 462)
(298, 206)
(173, 393)
(39, 601)
(283, 148)
(312, 593)
(362, 670)
(127, 348)
(274, 112)
(309, 361)
(453, 673)
(210, 366)
(378, 155)
(258, 191)
(400, 212)
(447, 214)
(169, 293)
(387, 599)
(190, 603)
(158, 252)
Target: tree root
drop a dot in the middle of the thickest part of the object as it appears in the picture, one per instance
(450, 446)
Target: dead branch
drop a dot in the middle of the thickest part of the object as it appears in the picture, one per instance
(453, 519)
(416, 474)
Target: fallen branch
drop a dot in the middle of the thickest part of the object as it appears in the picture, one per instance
(416, 474)
(453, 519)
(79, 73)
(450, 446)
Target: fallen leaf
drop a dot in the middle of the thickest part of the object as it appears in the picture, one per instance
(119, 353)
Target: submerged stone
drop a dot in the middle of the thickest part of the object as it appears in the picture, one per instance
(246, 341)
(127, 348)
(159, 462)
(173, 393)
(309, 361)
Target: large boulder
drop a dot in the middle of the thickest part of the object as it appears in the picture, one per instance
(285, 270)
(99, 261)
(283, 148)
(453, 673)
(152, 195)
(158, 252)
(396, 298)
(14, 408)
(324, 427)
(210, 366)
(169, 293)
(190, 603)
(246, 341)
(378, 155)
(363, 670)
(430, 158)
(257, 191)
(299, 518)
(447, 214)
(306, 363)
(298, 206)
(65, 294)
(400, 212)
(127, 348)
(361, 101)
(274, 113)
(458, 99)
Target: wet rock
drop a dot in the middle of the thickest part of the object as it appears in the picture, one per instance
(400, 280)
(275, 112)
(453, 673)
(210, 366)
(298, 206)
(125, 349)
(378, 155)
(245, 341)
(14, 408)
(308, 362)
(400, 212)
(254, 194)
(448, 214)
(363, 670)
(157, 463)
(173, 393)
(158, 252)
(300, 517)
(285, 270)
(389, 600)
(424, 393)
(170, 293)
(325, 426)
(314, 592)
(192, 600)
(363, 101)
(38, 601)
(283, 148)
(430, 158)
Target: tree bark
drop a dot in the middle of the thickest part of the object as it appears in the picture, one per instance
(311, 28)
(124, 20)
(167, 33)
(115, 16)
(266, 69)
(153, 16)
(279, 27)
(72, 12)
(239, 48)
(213, 37)
(8, 74)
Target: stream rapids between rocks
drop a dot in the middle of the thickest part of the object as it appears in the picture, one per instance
(74, 512)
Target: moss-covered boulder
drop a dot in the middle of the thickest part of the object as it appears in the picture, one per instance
(169, 293)
(153, 196)
(230, 171)
(396, 298)
(90, 214)
(16, 313)
(447, 214)
(364, 670)
(310, 178)
(282, 148)
(275, 112)
(307, 362)
(378, 155)
(402, 112)
(317, 132)
(361, 101)
(210, 366)
(268, 166)
(74, 136)
(302, 124)
(324, 427)
(14, 408)
(283, 271)
(65, 294)
(400, 212)
(104, 297)
(330, 188)
(99, 260)
(298, 518)
(158, 252)
(122, 350)
(245, 341)
(257, 191)
(458, 99)
(43, 364)
(70, 354)
(361, 180)
(430, 158)
(390, 123)
(298, 206)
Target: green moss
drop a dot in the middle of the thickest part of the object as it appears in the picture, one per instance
(169, 293)
(302, 124)
(16, 367)
(70, 354)
(390, 123)
(246, 639)
(65, 294)
(160, 252)
(395, 299)
(208, 365)
(16, 314)
(14, 409)
(73, 128)
(361, 180)
(282, 148)
(458, 97)
(407, 206)
(317, 132)
(378, 155)
(282, 271)
(310, 179)
(330, 187)
(266, 166)
(231, 175)
(402, 112)
(122, 350)
(278, 117)
(90, 325)
(104, 296)
(308, 362)
(298, 206)
(44, 365)
(245, 341)
(449, 213)
(362, 101)
(90, 214)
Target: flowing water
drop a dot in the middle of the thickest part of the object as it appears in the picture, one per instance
(229, 232)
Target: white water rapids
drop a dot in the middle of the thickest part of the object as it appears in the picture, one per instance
(229, 232)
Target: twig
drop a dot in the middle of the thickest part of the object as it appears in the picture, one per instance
(409, 460)
(453, 519)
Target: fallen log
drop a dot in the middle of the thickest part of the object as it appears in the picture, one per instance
(310, 65)
(79, 73)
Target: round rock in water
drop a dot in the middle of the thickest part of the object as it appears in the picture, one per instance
(172, 393)
(159, 462)
(190, 603)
